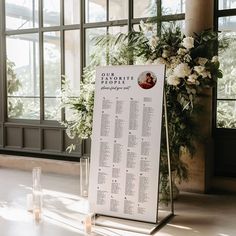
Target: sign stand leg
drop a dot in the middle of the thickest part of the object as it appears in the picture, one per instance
(168, 155)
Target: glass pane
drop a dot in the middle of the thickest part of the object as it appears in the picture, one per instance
(71, 12)
(145, 8)
(116, 53)
(51, 12)
(226, 114)
(178, 23)
(21, 14)
(227, 4)
(23, 65)
(96, 10)
(173, 7)
(72, 59)
(118, 9)
(227, 23)
(52, 108)
(118, 29)
(23, 108)
(52, 65)
(91, 35)
(226, 87)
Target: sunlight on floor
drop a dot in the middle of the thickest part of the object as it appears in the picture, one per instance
(16, 214)
(180, 226)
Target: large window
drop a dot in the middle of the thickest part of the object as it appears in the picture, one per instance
(45, 39)
(225, 105)
(38, 55)
(226, 89)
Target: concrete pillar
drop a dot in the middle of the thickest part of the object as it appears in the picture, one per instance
(198, 17)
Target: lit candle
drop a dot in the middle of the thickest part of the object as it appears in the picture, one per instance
(37, 214)
(87, 224)
(29, 202)
(85, 193)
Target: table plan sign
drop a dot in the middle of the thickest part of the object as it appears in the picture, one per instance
(126, 139)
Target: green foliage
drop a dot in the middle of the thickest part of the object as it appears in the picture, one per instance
(79, 124)
(226, 88)
(225, 115)
(15, 106)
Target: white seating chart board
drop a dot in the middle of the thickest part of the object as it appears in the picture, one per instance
(125, 152)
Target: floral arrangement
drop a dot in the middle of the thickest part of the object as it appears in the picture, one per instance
(191, 66)
(190, 62)
(80, 109)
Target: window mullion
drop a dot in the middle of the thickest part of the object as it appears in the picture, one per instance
(41, 60)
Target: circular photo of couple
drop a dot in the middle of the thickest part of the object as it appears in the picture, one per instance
(147, 80)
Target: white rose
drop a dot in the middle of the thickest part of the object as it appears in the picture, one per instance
(215, 59)
(202, 61)
(199, 69)
(160, 60)
(173, 80)
(182, 70)
(188, 42)
(149, 62)
(192, 78)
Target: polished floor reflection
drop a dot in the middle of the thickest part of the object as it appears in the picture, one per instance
(196, 214)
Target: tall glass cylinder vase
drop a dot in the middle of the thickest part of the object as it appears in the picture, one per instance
(84, 175)
(37, 204)
(37, 193)
(36, 175)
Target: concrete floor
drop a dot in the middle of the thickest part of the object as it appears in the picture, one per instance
(196, 214)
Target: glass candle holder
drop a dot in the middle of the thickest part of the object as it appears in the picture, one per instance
(84, 175)
(89, 224)
(37, 193)
(37, 205)
(36, 175)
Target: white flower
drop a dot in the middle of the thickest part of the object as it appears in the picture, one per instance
(175, 61)
(173, 80)
(182, 70)
(215, 59)
(160, 60)
(202, 61)
(154, 41)
(181, 51)
(149, 62)
(188, 42)
(206, 74)
(192, 78)
(199, 69)
(165, 53)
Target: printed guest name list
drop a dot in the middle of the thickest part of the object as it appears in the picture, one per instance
(126, 137)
